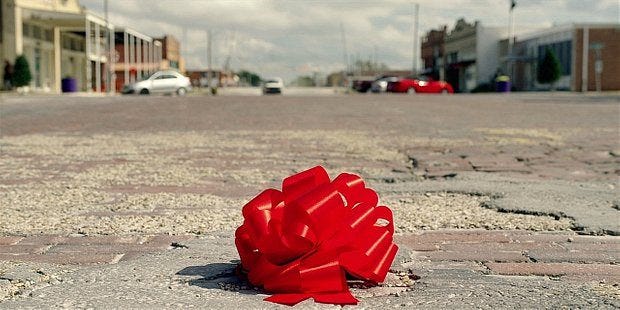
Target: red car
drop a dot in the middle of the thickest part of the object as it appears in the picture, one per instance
(420, 85)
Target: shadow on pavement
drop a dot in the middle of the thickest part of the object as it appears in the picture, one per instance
(217, 276)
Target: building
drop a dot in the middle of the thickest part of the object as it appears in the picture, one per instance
(60, 40)
(433, 47)
(472, 54)
(171, 54)
(137, 56)
(588, 54)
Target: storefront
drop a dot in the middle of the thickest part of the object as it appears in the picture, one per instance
(60, 40)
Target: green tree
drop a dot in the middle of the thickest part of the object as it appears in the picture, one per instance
(22, 75)
(249, 78)
(549, 69)
(305, 81)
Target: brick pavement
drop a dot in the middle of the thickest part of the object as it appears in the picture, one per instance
(521, 253)
(84, 250)
(511, 253)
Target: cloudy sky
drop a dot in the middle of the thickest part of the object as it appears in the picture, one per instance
(288, 38)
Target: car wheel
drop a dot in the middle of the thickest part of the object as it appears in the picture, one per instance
(411, 91)
(144, 91)
(444, 91)
(181, 91)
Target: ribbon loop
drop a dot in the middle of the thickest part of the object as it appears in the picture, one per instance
(300, 243)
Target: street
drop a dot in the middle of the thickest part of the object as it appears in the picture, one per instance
(136, 173)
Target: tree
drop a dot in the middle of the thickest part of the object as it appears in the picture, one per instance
(549, 69)
(250, 78)
(305, 81)
(22, 75)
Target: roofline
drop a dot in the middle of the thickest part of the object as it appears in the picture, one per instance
(565, 27)
(134, 33)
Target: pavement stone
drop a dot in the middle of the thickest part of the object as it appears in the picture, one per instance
(202, 276)
(9, 240)
(567, 169)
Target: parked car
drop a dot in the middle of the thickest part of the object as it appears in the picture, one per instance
(167, 82)
(273, 86)
(362, 86)
(420, 85)
(380, 84)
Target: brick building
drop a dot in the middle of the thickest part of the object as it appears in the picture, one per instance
(171, 54)
(137, 56)
(433, 47)
(581, 50)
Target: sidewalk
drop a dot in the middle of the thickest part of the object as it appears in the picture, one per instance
(446, 268)
(131, 202)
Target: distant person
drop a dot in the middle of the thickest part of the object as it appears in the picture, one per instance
(8, 75)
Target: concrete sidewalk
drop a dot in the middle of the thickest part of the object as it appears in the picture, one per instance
(439, 269)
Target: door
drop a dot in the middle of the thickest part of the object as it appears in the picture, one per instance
(164, 83)
(37, 67)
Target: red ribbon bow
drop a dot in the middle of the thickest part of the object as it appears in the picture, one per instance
(300, 242)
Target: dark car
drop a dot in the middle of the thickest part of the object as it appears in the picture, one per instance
(362, 86)
(380, 85)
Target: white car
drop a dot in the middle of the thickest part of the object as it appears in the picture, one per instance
(273, 86)
(167, 82)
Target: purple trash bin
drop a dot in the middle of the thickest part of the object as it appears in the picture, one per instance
(68, 85)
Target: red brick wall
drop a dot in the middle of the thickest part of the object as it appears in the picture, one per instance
(610, 78)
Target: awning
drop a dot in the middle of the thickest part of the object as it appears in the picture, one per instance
(63, 19)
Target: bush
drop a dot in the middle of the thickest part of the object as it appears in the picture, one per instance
(22, 75)
(549, 69)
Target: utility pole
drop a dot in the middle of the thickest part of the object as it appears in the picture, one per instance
(209, 60)
(345, 55)
(511, 41)
(108, 79)
(416, 24)
(375, 63)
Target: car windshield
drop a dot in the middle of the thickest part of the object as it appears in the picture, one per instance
(272, 81)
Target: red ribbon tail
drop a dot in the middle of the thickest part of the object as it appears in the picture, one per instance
(288, 299)
(342, 298)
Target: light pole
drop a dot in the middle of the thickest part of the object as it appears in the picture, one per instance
(111, 51)
(510, 58)
(416, 19)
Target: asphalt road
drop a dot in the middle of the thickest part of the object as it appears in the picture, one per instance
(452, 116)
(114, 180)
(550, 154)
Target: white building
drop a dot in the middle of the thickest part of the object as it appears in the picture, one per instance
(472, 54)
(60, 40)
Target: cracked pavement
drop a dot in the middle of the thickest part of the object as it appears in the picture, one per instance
(138, 174)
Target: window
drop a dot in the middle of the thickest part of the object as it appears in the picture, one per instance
(48, 35)
(76, 45)
(562, 51)
(66, 43)
(452, 58)
(36, 32)
(26, 30)
(165, 77)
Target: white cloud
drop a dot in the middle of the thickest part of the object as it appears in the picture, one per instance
(286, 38)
